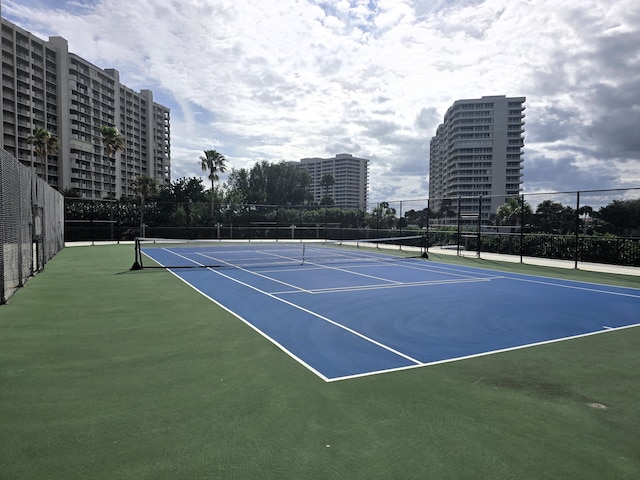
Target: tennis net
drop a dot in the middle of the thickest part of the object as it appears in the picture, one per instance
(179, 253)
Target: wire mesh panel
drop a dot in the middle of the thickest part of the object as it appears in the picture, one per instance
(583, 226)
(26, 219)
(49, 210)
(12, 259)
(31, 224)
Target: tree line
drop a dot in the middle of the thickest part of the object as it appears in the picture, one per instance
(285, 185)
(275, 194)
(619, 217)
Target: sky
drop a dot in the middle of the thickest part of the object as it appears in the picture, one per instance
(289, 79)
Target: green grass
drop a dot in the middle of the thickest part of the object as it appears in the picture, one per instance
(111, 374)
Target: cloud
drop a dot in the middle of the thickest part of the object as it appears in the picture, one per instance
(587, 102)
(288, 79)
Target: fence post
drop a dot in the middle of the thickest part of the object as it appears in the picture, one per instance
(521, 228)
(459, 233)
(2, 235)
(576, 249)
(118, 220)
(325, 223)
(479, 224)
(428, 219)
(92, 222)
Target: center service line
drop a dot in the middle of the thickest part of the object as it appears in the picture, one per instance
(321, 317)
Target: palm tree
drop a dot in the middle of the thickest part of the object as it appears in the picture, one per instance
(587, 213)
(511, 211)
(214, 163)
(327, 181)
(446, 209)
(44, 143)
(113, 142)
(70, 193)
(145, 187)
(507, 213)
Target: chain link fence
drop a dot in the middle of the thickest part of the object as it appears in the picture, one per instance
(600, 226)
(595, 226)
(31, 224)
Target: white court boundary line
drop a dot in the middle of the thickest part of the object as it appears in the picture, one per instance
(390, 283)
(240, 317)
(575, 287)
(295, 287)
(416, 363)
(554, 282)
(317, 315)
(298, 307)
(484, 354)
(550, 280)
(319, 291)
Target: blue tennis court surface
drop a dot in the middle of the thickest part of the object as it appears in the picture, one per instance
(350, 318)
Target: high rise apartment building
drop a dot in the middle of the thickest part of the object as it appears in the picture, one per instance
(477, 152)
(351, 179)
(46, 86)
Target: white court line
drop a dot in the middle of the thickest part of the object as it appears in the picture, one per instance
(384, 286)
(297, 289)
(575, 287)
(317, 315)
(482, 354)
(256, 329)
(272, 340)
(256, 273)
(328, 267)
(515, 276)
(417, 363)
(459, 272)
(395, 264)
(389, 283)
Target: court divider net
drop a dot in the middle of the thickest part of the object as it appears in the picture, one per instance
(181, 253)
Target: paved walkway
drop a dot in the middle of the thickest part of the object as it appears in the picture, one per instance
(570, 264)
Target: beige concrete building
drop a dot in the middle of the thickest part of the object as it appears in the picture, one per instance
(46, 86)
(351, 177)
(477, 151)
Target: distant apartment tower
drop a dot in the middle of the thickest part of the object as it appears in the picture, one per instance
(43, 85)
(351, 177)
(477, 151)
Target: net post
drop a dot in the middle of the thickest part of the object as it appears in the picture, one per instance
(522, 228)
(137, 264)
(576, 253)
(424, 247)
(428, 219)
(459, 226)
(479, 238)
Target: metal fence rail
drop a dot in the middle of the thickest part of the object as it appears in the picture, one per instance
(596, 226)
(31, 224)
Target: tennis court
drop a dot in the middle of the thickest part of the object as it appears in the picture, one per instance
(347, 311)
(108, 373)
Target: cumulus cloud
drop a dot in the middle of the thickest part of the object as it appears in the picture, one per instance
(291, 79)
